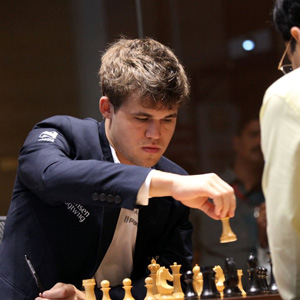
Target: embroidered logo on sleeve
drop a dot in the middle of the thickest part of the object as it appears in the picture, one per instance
(48, 136)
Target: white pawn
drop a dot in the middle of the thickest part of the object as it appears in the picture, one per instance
(105, 289)
(127, 287)
(149, 287)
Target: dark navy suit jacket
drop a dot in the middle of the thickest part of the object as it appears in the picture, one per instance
(65, 205)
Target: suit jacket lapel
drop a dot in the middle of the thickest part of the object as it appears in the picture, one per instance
(110, 214)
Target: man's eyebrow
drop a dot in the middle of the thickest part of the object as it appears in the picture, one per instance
(143, 114)
(174, 115)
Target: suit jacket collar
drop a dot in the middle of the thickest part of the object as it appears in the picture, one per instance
(104, 142)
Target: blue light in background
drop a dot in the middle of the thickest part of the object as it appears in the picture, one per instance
(248, 45)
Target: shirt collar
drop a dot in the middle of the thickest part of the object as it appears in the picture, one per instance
(114, 154)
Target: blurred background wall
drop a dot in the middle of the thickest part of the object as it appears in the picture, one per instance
(50, 55)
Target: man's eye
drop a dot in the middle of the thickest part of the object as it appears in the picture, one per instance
(169, 120)
(141, 119)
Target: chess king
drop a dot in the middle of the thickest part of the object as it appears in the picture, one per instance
(98, 199)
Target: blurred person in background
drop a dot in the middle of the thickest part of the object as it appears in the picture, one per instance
(249, 223)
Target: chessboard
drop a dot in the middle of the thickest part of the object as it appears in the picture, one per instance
(200, 283)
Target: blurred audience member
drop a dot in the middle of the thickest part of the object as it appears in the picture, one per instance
(249, 223)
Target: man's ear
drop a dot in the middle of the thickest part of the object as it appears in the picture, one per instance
(295, 33)
(105, 107)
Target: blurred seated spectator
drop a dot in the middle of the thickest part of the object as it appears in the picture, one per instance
(249, 223)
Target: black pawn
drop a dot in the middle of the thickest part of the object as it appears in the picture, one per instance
(231, 288)
(209, 284)
(254, 284)
(190, 293)
(272, 284)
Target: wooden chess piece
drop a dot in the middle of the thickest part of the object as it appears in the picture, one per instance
(153, 268)
(219, 278)
(164, 289)
(127, 287)
(105, 289)
(231, 288)
(262, 273)
(149, 287)
(89, 287)
(209, 284)
(190, 293)
(197, 280)
(240, 284)
(227, 233)
(254, 285)
(177, 292)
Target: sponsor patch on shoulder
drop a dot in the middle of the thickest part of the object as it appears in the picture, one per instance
(48, 136)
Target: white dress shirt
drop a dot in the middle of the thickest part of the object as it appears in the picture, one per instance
(280, 134)
(118, 261)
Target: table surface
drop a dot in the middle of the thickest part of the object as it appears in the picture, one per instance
(258, 297)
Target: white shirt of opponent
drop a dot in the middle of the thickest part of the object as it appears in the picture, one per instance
(280, 128)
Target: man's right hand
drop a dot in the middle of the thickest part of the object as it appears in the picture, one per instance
(195, 191)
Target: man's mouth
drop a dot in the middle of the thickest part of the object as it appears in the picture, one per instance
(151, 149)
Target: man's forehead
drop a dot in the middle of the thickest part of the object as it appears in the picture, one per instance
(150, 102)
(152, 113)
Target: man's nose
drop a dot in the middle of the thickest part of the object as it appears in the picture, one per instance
(153, 130)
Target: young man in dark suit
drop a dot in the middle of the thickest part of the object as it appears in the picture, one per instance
(99, 199)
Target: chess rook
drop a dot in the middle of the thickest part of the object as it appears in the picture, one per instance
(89, 286)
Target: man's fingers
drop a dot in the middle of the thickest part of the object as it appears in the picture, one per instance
(223, 198)
(209, 209)
(59, 291)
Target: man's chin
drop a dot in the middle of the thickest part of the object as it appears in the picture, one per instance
(149, 163)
